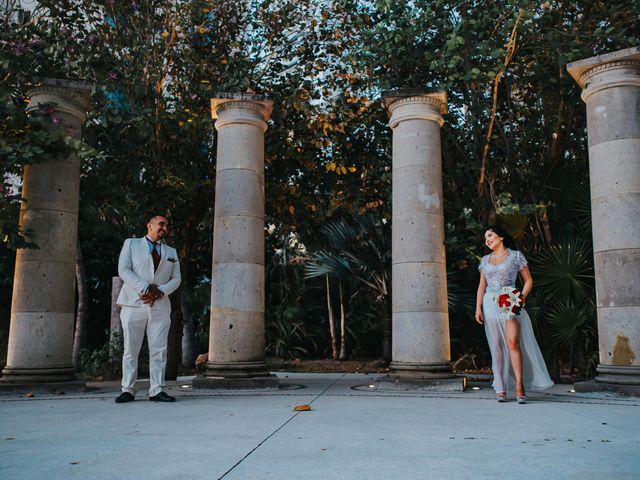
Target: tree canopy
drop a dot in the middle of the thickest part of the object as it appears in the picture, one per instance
(513, 145)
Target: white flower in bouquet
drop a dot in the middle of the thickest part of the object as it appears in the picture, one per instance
(510, 301)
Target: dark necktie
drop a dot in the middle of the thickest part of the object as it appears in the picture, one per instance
(156, 256)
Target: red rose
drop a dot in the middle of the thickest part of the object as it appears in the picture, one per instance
(503, 300)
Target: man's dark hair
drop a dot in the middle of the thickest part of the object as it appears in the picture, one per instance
(155, 216)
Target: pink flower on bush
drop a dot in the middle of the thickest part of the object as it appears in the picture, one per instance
(19, 49)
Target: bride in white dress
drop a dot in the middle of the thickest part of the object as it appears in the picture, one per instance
(516, 360)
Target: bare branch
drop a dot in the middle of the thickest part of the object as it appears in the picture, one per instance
(511, 47)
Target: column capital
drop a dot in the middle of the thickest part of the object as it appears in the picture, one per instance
(615, 69)
(234, 108)
(66, 96)
(415, 104)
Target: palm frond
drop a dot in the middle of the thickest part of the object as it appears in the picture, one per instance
(459, 297)
(325, 263)
(581, 207)
(340, 234)
(565, 270)
(367, 257)
(572, 325)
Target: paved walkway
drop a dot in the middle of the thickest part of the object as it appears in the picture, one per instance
(353, 431)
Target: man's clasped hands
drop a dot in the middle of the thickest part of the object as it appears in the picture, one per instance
(151, 294)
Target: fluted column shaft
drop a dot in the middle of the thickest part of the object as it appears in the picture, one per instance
(611, 91)
(43, 303)
(420, 319)
(236, 335)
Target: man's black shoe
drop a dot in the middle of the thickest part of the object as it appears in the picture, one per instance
(125, 397)
(162, 397)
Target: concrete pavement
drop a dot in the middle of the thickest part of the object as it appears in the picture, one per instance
(357, 429)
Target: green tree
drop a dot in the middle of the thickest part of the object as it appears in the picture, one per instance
(359, 249)
(156, 64)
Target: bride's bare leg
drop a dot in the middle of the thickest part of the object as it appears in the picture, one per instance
(496, 346)
(513, 342)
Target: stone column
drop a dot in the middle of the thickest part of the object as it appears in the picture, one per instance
(236, 334)
(43, 303)
(420, 317)
(611, 91)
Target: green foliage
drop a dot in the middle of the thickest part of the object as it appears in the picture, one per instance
(361, 249)
(461, 299)
(155, 66)
(290, 329)
(104, 361)
(565, 270)
(286, 334)
(564, 308)
(3, 349)
(198, 305)
(581, 207)
(572, 327)
(34, 45)
(365, 327)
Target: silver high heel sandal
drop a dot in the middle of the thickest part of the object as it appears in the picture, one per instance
(501, 397)
(520, 397)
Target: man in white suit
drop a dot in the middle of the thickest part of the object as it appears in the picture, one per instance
(150, 271)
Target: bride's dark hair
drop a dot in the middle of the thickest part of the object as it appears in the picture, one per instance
(507, 239)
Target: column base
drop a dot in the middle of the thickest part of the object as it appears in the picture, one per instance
(420, 371)
(16, 375)
(613, 378)
(419, 376)
(235, 375)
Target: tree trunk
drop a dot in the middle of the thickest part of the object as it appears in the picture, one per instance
(557, 136)
(332, 326)
(492, 216)
(189, 342)
(115, 330)
(343, 330)
(81, 312)
(547, 228)
(175, 337)
(386, 334)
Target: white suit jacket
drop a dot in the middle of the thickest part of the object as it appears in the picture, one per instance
(135, 268)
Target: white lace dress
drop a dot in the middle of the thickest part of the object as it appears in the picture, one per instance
(534, 371)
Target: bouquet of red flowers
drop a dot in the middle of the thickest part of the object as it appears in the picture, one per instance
(510, 301)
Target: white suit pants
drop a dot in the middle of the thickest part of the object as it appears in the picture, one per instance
(135, 321)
